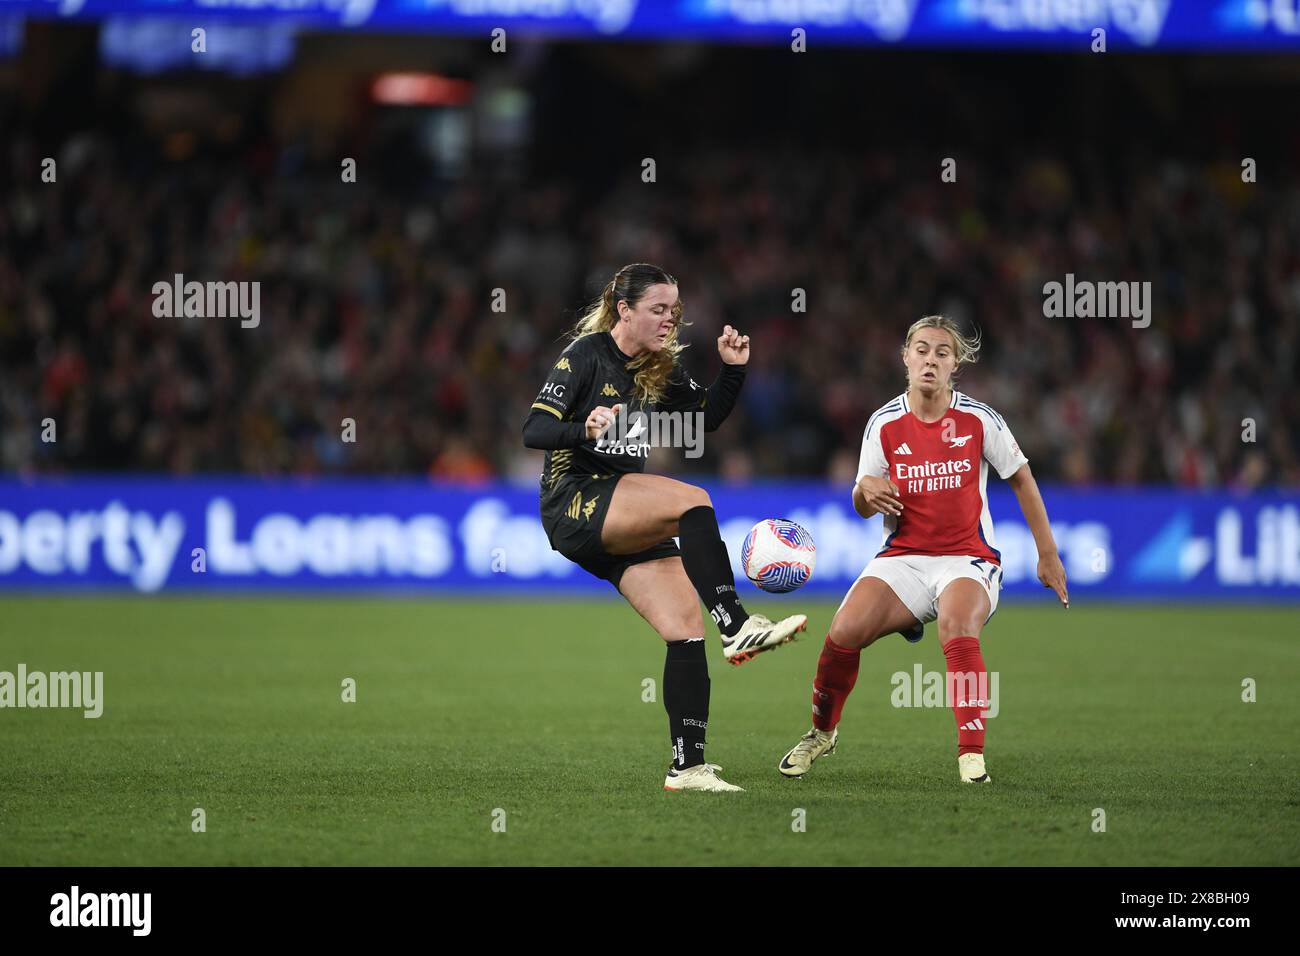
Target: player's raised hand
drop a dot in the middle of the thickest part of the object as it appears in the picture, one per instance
(733, 347)
(1052, 573)
(600, 419)
(881, 495)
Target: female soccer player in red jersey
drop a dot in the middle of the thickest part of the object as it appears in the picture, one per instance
(924, 466)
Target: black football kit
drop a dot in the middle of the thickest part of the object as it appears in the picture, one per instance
(579, 474)
(578, 481)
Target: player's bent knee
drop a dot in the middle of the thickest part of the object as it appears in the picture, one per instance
(696, 498)
(684, 630)
(961, 627)
(680, 623)
(693, 620)
(846, 635)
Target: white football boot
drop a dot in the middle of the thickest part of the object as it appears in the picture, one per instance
(972, 769)
(700, 777)
(816, 743)
(759, 634)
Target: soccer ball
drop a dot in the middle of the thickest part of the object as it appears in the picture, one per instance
(778, 555)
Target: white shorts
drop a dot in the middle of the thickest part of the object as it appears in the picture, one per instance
(919, 579)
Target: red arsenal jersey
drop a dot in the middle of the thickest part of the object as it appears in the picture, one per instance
(941, 469)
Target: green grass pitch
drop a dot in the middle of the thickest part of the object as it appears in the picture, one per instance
(465, 708)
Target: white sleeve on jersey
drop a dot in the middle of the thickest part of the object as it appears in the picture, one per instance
(872, 460)
(1000, 447)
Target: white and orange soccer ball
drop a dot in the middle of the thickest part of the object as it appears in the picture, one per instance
(778, 555)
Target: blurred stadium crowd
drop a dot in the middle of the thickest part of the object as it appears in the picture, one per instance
(376, 305)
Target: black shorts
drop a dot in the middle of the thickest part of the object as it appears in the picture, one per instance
(573, 516)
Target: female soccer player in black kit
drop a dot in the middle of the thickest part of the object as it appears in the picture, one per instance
(601, 511)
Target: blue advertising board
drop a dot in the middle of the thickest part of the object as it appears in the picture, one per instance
(149, 535)
(1056, 24)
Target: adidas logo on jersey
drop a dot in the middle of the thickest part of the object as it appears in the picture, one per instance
(902, 449)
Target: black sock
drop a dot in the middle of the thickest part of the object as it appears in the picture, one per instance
(705, 559)
(686, 698)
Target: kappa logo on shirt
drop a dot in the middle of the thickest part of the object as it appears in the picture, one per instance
(576, 506)
(609, 390)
